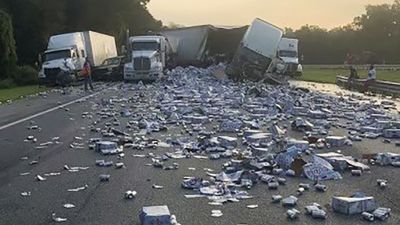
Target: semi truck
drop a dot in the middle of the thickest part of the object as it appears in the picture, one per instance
(256, 52)
(66, 54)
(288, 58)
(148, 56)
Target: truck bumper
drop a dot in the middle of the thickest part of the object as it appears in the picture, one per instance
(142, 75)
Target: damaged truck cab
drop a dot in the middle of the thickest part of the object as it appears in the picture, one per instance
(287, 62)
(66, 54)
(147, 58)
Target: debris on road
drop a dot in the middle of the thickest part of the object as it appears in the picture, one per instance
(276, 198)
(316, 211)
(78, 189)
(252, 206)
(155, 214)
(40, 178)
(216, 213)
(26, 193)
(382, 213)
(368, 216)
(382, 183)
(353, 205)
(320, 187)
(57, 219)
(155, 186)
(293, 213)
(104, 177)
(130, 194)
(289, 201)
(250, 133)
(69, 206)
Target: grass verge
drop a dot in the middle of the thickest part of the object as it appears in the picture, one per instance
(329, 75)
(18, 92)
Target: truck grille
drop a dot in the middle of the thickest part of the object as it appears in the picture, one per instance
(51, 74)
(292, 67)
(141, 63)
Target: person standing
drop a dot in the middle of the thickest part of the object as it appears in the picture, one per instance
(371, 77)
(87, 75)
(352, 77)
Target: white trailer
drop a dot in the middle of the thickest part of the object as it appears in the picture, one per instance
(262, 38)
(190, 44)
(256, 51)
(66, 54)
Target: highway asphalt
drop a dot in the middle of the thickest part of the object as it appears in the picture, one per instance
(103, 203)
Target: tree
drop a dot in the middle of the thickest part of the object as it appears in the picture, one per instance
(35, 21)
(8, 55)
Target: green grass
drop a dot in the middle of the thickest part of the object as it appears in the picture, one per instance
(17, 92)
(329, 75)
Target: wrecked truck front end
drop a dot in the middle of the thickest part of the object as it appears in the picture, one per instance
(145, 66)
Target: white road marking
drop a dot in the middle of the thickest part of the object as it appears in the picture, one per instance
(47, 111)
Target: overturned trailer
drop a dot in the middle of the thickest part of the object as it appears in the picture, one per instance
(190, 44)
(223, 42)
(204, 45)
(256, 52)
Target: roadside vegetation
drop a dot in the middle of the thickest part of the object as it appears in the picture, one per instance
(18, 92)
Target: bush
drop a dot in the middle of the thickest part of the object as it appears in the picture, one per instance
(25, 75)
(7, 83)
(8, 55)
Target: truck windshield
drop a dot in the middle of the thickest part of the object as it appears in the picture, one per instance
(145, 46)
(57, 55)
(291, 54)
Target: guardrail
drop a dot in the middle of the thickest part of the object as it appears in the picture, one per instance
(395, 67)
(382, 87)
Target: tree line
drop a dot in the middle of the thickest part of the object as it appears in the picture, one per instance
(373, 37)
(34, 21)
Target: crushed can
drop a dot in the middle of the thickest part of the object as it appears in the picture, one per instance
(320, 187)
(368, 216)
(104, 177)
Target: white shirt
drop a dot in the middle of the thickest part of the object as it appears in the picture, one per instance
(372, 74)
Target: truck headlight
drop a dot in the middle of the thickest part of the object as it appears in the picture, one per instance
(299, 68)
(41, 74)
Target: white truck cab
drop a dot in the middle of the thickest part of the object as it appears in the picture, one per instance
(287, 57)
(66, 54)
(148, 56)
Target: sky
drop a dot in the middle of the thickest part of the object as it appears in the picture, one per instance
(282, 13)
